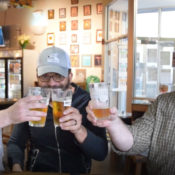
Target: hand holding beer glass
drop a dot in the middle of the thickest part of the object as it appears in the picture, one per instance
(99, 93)
(45, 93)
(61, 100)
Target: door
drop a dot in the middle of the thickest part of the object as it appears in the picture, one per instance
(14, 78)
(2, 78)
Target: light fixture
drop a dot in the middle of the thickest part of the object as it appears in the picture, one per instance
(39, 23)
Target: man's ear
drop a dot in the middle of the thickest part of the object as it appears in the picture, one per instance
(70, 76)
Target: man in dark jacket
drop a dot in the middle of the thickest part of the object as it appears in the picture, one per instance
(68, 148)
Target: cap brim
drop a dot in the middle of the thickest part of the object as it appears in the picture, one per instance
(52, 68)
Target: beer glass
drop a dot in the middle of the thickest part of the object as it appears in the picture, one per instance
(45, 93)
(61, 100)
(99, 93)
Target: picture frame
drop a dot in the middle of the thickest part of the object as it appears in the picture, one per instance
(87, 24)
(86, 60)
(62, 25)
(62, 12)
(97, 60)
(86, 37)
(51, 13)
(74, 49)
(74, 2)
(80, 75)
(50, 39)
(74, 25)
(62, 38)
(74, 60)
(74, 38)
(87, 10)
(98, 35)
(99, 8)
(74, 11)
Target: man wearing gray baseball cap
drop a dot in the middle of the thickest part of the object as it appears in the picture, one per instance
(77, 141)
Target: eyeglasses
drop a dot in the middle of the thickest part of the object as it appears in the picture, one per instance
(55, 77)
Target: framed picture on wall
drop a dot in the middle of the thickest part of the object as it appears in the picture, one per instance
(74, 1)
(86, 60)
(51, 13)
(87, 10)
(74, 25)
(74, 49)
(98, 35)
(63, 26)
(62, 38)
(74, 11)
(87, 24)
(62, 13)
(99, 7)
(97, 60)
(50, 39)
(74, 60)
(80, 75)
(74, 38)
(86, 37)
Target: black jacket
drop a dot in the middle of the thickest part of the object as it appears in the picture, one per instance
(44, 153)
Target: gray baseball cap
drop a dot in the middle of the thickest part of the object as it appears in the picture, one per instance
(53, 59)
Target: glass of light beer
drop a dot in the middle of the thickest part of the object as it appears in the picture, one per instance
(61, 100)
(45, 93)
(99, 93)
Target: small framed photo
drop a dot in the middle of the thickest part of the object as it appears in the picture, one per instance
(98, 35)
(97, 60)
(50, 39)
(74, 60)
(87, 24)
(86, 60)
(74, 38)
(74, 1)
(74, 49)
(87, 10)
(62, 13)
(51, 13)
(74, 11)
(86, 37)
(80, 75)
(63, 26)
(99, 7)
(74, 25)
(62, 38)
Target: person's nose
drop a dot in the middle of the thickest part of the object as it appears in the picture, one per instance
(52, 83)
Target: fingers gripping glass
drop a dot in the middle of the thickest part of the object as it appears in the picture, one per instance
(56, 77)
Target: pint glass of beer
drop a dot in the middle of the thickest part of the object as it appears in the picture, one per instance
(61, 100)
(99, 93)
(45, 93)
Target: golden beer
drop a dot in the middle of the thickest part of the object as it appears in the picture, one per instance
(101, 113)
(58, 109)
(40, 123)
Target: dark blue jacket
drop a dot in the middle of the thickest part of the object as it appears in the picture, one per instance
(71, 156)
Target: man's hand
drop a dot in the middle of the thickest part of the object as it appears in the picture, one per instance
(108, 122)
(72, 121)
(20, 111)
